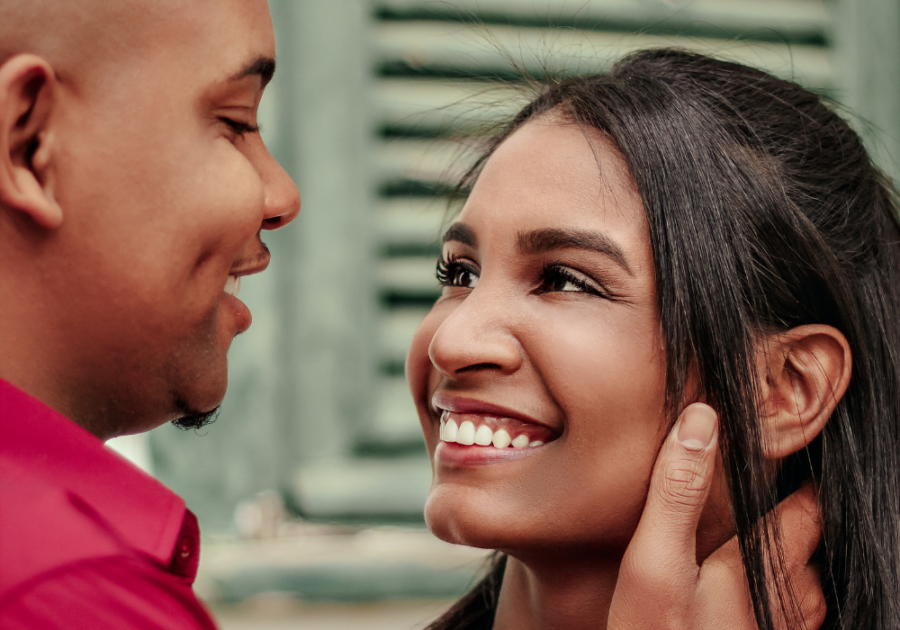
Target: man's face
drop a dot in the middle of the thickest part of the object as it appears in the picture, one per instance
(165, 185)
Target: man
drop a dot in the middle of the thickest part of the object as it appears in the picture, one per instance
(133, 189)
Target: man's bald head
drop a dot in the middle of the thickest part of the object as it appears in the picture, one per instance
(78, 37)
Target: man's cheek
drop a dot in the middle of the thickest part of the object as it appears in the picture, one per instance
(237, 197)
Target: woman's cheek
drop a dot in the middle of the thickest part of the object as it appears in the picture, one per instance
(602, 363)
(610, 382)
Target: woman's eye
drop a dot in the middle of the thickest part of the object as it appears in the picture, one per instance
(557, 279)
(456, 273)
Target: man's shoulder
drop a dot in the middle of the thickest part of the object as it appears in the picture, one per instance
(44, 527)
(86, 539)
(65, 497)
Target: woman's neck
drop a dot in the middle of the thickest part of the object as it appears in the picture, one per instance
(568, 595)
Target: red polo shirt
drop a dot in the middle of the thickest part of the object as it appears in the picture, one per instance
(87, 541)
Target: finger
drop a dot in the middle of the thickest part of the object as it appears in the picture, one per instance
(665, 538)
(680, 482)
(658, 575)
(809, 608)
(813, 607)
(800, 526)
(797, 580)
(812, 602)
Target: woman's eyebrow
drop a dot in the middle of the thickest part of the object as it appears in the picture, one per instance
(461, 233)
(549, 239)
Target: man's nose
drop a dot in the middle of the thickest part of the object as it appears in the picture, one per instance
(282, 202)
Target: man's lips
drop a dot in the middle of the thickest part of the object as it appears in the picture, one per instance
(249, 265)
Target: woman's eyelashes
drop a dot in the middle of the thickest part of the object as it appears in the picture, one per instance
(557, 278)
(553, 277)
(455, 272)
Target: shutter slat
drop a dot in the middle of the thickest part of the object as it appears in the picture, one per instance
(396, 420)
(421, 160)
(411, 221)
(797, 18)
(448, 47)
(397, 328)
(411, 276)
(457, 107)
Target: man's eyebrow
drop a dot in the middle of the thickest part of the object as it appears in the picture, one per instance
(461, 233)
(540, 241)
(263, 67)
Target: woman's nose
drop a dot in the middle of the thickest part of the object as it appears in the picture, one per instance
(478, 336)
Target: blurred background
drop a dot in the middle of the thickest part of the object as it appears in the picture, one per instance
(309, 487)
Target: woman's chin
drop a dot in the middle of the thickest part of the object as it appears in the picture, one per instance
(462, 520)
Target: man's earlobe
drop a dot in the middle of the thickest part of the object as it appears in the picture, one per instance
(803, 373)
(27, 93)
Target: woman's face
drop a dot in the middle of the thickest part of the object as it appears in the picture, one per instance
(547, 328)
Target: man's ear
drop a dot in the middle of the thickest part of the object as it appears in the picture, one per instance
(27, 91)
(803, 373)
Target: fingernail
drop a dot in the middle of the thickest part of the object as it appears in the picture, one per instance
(698, 423)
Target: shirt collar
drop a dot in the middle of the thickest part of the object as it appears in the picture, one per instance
(142, 512)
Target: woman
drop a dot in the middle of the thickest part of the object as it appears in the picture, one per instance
(680, 230)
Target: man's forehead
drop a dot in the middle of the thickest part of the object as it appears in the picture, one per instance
(229, 40)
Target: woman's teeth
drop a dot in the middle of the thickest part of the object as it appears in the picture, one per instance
(233, 286)
(466, 434)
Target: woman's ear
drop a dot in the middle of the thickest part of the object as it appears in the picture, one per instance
(803, 373)
(27, 92)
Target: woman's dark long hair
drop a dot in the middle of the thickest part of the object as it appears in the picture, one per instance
(765, 212)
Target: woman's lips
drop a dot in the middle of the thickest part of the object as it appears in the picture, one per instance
(454, 454)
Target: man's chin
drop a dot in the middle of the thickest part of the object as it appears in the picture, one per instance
(196, 420)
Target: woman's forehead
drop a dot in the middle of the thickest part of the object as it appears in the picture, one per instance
(548, 174)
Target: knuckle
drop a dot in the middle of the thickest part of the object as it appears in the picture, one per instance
(814, 610)
(806, 614)
(684, 484)
(645, 574)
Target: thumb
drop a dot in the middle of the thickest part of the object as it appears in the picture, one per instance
(665, 539)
